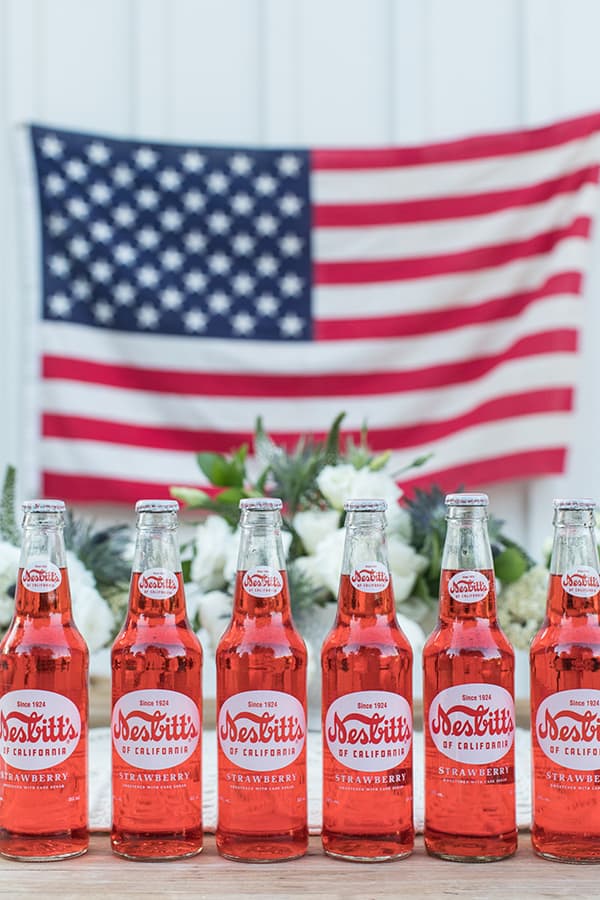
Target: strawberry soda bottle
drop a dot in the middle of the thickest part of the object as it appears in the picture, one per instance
(261, 703)
(565, 695)
(156, 703)
(468, 701)
(43, 702)
(367, 704)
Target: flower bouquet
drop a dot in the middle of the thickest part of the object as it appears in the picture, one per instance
(313, 480)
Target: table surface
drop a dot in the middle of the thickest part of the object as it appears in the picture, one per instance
(100, 874)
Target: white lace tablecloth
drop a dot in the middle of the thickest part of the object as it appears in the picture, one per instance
(100, 814)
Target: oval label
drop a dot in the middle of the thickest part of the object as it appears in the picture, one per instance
(158, 584)
(369, 731)
(473, 723)
(262, 581)
(370, 577)
(262, 730)
(155, 729)
(567, 728)
(38, 729)
(582, 581)
(41, 578)
(468, 586)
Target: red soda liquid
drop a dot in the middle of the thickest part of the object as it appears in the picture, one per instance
(468, 708)
(565, 724)
(43, 728)
(367, 730)
(156, 730)
(261, 730)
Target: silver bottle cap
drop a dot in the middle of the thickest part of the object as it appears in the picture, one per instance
(467, 500)
(365, 505)
(43, 506)
(157, 506)
(261, 504)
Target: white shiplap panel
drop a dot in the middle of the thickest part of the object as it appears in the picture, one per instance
(410, 71)
(20, 83)
(281, 78)
(85, 63)
(150, 83)
(345, 54)
(473, 65)
(216, 70)
(561, 77)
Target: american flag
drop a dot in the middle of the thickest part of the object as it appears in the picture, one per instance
(431, 292)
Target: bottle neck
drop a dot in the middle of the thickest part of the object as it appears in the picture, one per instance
(574, 567)
(156, 580)
(261, 584)
(467, 583)
(365, 585)
(43, 583)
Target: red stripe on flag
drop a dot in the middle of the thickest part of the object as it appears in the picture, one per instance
(481, 146)
(80, 428)
(445, 320)
(95, 489)
(563, 340)
(340, 215)
(373, 271)
(469, 476)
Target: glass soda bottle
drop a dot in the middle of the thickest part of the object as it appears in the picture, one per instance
(565, 695)
(261, 703)
(367, 704)
(156, 703)
(43, 702)
(468, 701)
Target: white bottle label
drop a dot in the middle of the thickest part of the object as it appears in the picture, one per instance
(41, 577)
(38, 729)
(582, 581)
(158, 584)
(262, 730)
(473, 723)
(370, 577)
(567, 728)
(369, 731)
(155, 729)
(468, 587)
(262, 581)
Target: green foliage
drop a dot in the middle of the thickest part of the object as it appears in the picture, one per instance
(428, 517)
(102, 550)
(9, 530)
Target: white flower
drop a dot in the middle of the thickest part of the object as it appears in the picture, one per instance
(414, 634)
(405, 565)
(335, 483)
(326, 564)
(313, 525)
(214, 609)
(521, 606)
(344, 482)
(91, 612)
(367, 483)
(213, 544)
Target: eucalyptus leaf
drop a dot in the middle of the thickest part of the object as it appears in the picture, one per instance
(192, 497)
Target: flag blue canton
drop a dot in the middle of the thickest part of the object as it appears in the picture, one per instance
(204, 241)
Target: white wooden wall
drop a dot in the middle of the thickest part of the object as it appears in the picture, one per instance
(296, 71)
